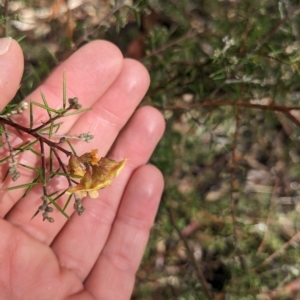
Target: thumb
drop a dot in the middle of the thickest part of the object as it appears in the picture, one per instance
(11, 69)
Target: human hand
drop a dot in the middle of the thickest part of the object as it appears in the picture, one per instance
(96, 255)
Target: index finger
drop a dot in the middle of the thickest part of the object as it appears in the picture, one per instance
(90, 71)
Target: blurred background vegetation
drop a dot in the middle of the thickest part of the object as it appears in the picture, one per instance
(225, 74)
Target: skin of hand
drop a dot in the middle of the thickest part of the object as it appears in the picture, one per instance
(95, 255)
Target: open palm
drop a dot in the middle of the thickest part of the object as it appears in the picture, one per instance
(96, 255)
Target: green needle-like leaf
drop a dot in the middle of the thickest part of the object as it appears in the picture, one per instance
(64, 91)
(51, 159)
(68, 202)
(31, 186)
(4, 177)
(79, 111)
(27, 147)
(52, 175)
(31, 114)
(35, 152)
(72, 148)
(28, 167)
(20, 186)
(54, 193)
(58, 208)
(21, 38)
(46, 104)
(4, 159)
(58, 196)
(56, 126)
(21, 147)
(40, 171)
(35, 214)
(51, 129)
(45, 107)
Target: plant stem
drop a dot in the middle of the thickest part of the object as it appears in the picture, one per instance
(59, 115)
(33, 133)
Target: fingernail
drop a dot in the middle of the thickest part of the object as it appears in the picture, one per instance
(4, 45)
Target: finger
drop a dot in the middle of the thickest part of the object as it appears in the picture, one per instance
(113, 109)
(130, 86)
(137, 141)
(30, 268)
(113, 275)
(85, 70)
(90, 71)
(11, 69)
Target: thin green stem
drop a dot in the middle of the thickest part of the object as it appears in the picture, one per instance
(59, 115)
